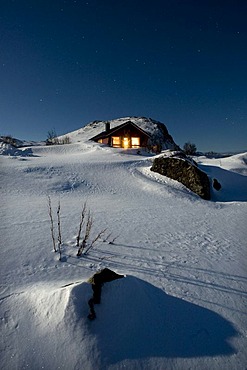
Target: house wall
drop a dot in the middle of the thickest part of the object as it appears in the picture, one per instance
(104, 141)
(128, 132)
(127, 136)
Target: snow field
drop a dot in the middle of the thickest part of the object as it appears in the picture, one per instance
(183, 302)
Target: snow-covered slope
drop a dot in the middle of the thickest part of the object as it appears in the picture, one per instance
(231, 172)
(182, 304)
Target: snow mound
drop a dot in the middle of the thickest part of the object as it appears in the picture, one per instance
(235, 163)
(10, 150)
(231, 173)
(137, 321)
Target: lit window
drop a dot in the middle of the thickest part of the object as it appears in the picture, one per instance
(135, 142)
(116, 142)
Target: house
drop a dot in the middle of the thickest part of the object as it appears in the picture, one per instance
(126, 135)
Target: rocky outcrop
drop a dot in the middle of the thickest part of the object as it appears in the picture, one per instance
(184, 171)
(160, 139)
(98, 280)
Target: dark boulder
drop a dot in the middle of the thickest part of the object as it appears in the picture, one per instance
(216, 184)
(97, 280)
(184, 171)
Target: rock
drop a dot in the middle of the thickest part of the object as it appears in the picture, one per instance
(216, 184)
(104, 276)
(97, 280)
(184, 171)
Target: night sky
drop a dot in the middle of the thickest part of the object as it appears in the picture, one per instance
(182, 62)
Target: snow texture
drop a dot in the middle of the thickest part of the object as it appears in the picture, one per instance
(182, 304)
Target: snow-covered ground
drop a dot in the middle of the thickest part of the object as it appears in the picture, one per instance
(182, 304)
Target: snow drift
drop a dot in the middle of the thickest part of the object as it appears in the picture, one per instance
(136, 323)
(183, 302)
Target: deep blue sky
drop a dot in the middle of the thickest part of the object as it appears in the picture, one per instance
(183, 62)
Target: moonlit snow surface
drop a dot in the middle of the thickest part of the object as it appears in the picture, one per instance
(182, 304)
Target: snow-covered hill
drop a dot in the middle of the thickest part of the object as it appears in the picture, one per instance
(182, 304)
(156, 129)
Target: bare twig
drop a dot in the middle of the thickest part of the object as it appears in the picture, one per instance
(95, 240)
(83, 212)
(113, 240)
(87, 234)
(88, 226)
(52, 224)
(107, 237)
(59, 238)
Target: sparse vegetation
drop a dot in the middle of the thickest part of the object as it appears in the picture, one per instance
(59, 238)
(94, 241)
(189, 148)
(52, 139)
(83, 212)
(52, 224)
(65, 140)
(85, 243)
(88, 228)
(109, 239)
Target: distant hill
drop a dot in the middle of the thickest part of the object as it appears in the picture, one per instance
(9, 140)
(15, 147)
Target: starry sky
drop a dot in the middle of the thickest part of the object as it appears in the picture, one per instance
(64, 63)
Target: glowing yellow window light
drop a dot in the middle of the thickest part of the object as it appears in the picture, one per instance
(135, 142)
(125, 142)
(116, 142)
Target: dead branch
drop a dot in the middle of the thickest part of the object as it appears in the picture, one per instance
(59, 238)
(107, 238)
(86, 235)
(83, 212)
(113, 240)
(95, 240)
(52, 224)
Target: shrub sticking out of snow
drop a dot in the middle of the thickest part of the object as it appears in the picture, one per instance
(85, 245)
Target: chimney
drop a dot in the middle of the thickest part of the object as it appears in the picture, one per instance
(107, 127)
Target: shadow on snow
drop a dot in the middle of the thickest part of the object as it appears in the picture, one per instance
(234, 185)
(137, 320)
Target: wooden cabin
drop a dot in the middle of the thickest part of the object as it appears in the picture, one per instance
(126, 135)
